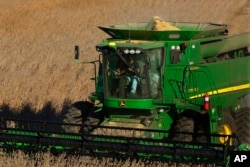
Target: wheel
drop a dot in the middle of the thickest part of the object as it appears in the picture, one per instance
(200, 135)
(76, 114)
(72, 116)
(227, 127)
(242, 120)
(81, 113)
(184, 124)
(3, 126)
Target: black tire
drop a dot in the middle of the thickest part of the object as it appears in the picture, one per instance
(201, 137)
(88, 124)
(201, 128)
(80, 113)
(72, 116)
(184, 124)
(242, 120)
(228, 119)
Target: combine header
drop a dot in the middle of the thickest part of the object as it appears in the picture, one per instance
(171, 91)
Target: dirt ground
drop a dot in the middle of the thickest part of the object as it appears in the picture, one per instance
(37, 40)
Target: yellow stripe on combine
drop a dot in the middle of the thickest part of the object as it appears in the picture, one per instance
(223, 90)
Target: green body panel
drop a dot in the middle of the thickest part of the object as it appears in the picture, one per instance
(219, 79)
(224, 84)
(227, 44)
(129, 103)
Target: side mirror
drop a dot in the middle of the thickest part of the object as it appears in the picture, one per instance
(77, 52)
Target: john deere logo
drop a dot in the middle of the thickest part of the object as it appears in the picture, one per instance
(122, 104)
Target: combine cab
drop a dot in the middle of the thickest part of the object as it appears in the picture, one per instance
(173, 91)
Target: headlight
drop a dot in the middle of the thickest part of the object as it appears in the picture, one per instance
(137, 51)
(132, 51)
(126, 51)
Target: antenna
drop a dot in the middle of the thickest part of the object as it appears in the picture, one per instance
(129, 25)
(129, 33)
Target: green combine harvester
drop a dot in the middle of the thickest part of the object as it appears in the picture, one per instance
(171, 91)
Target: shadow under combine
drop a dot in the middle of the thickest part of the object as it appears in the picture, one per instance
(29, 118)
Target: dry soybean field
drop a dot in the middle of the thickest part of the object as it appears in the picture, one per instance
(37, 38)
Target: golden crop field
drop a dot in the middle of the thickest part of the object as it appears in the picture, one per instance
(37, 39)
